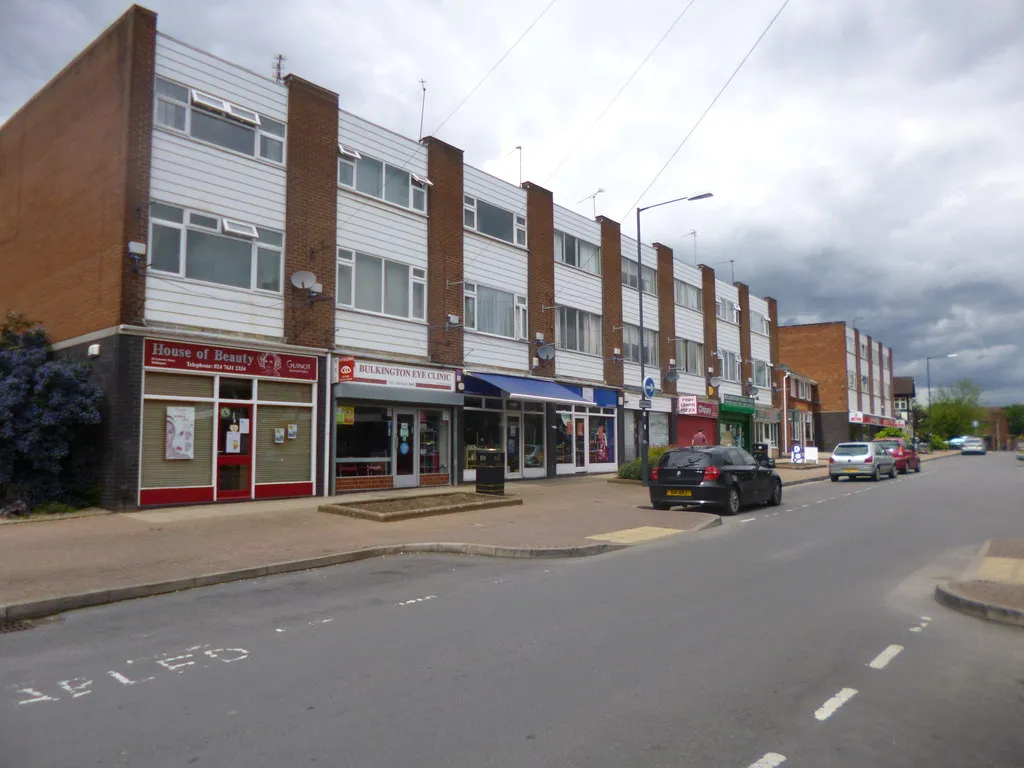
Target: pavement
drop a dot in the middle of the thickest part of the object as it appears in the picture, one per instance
(993, 586)
(801, 635)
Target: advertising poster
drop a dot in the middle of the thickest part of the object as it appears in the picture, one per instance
(181, 433)
(293, 431)
(279, 435)
(232, 442)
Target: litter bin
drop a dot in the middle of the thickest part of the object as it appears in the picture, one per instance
(490, 471)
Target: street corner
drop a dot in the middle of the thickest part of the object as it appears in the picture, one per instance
(992, 587)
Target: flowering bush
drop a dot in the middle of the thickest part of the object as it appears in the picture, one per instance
(48, 414)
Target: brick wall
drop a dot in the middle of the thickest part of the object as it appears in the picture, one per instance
(707, 276)
(611, 298)
(773, 341)
(746, 366)
(819, 352)
(434, 479)
(666, 312)
(870, 406)
(540, 214)
(858, 362)
(311, 215)
(74, 186)
(373, 483)
(445, 246)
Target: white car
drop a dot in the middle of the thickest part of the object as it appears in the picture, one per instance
(973, 445)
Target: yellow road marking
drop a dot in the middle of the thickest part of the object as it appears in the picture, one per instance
(636, 535)
(1006, 569)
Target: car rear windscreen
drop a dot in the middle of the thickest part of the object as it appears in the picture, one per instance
(851, 449)
(888, 445)
(687, 459)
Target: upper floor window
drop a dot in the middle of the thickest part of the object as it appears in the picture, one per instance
(689, 357)
(728, 365)
(851, 379)
(885, 359)
(850, 346)
(803, 389)
(578, 331)
(381, 180)
(635, 276)
(761, 374)
(490, 310)
(864, 383)
(217, 121)
(727, 310)
(382, 286)
(759, 323)
(496, 222)
(631, 345)
(864, 349)
(577, 253)
(214, 249)
(689, 295)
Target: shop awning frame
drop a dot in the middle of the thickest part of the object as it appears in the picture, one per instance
(535, 390)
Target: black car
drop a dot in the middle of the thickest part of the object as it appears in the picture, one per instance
(721, 477)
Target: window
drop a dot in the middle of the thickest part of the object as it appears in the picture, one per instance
(728, 366)
(766, 432)
(630, 273)
(863, 383)
(483, 429)
(489, 310)
(760, 374)
(373, 284)
(851, 379)
(631, 345)
(690, 357)
(364, 445)
(602, 439)
(759, 323)
(689, 296)
(649, 280)
(727, 310)
(885, 359)
(864, 349)
(803, 389)
(849, 345)
(493, 221)
(214, 250)
(578, 331)
(574, 252)
(379, 179)
(219, 122)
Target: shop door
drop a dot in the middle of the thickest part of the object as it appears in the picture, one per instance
(580, 433)
(513, 446)
(406, 449)
(234, 452)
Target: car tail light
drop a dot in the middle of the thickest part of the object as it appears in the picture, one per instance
(868, 460)
(654, 473)
(712, 473)
(831, 459)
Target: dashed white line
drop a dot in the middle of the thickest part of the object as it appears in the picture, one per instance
(748, 519)
(826, 710)
(791, 509)
(822, 501)
(882, 660)
(769, 760)
(848, 494)
(418, 600)
(804, 506)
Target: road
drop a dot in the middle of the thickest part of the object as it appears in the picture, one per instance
(803, 636)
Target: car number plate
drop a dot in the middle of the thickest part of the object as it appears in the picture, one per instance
(849, 470)
(676, 492)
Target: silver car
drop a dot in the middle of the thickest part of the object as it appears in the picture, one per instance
(855, 460)
(973, 445)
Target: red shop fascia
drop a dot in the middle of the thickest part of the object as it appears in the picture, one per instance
(694, 413)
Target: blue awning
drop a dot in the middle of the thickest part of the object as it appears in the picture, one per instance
(518, 388)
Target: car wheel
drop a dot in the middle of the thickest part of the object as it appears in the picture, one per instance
(905, 470)
(776, 498)
(663, 505)
(834, 478)
(893, 473)
(876, 475)
(917, 467)
(732, 503)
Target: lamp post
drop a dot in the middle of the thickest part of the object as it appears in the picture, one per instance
(928, 375)
(645, 418)
(785, 409)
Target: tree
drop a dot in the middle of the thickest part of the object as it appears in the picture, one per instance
(48, 412)
(1015, 418)
(891, 432)
(956, 409)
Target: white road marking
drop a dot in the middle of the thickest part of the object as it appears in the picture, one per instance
(748, 519)
(926, 618)
(829, 707)
(791, 509)
(418, 600)
(769, 760)
(822, 501)
(126, 680)
(848, 494)
(804, 506)
(882, 660)
(916, 629)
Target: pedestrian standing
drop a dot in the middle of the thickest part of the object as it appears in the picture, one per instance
(699, 438)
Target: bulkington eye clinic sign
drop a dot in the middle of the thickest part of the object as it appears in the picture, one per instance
(348, 369)
(207, 358)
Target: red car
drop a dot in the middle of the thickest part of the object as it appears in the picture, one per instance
(904, 456)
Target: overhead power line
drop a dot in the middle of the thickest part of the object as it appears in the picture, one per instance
(709, 108)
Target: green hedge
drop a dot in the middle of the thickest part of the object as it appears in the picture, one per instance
(631, 469)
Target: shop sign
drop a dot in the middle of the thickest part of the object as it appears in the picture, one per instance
(348, 369)
(207, 358)
(769, 414)
(691, 405)
(856, 417)
(740, 401)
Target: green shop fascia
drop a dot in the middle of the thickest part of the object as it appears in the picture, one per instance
(735, 420)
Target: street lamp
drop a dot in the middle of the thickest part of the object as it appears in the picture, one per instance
(928, 373)
(645, 418)
(786, 372)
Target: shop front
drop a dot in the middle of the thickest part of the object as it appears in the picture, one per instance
(767, 423)
(393, 425)
(695, 414)
(544, 428)
(658, 423)
(226, 423)
(863, 426)
(735, 420)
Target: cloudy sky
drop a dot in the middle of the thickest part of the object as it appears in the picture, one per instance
(867, 162)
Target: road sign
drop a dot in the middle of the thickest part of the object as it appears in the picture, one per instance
(645, 405)
(649, 388)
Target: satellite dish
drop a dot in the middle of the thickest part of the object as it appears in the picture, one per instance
(752, 391)
(715, 381)
(303, 280)
(546, 352)
(671, 375)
